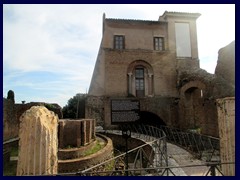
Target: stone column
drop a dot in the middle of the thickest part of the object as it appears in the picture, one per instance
(150, 85)
(129, 83)
(226, 124)
(38, 144)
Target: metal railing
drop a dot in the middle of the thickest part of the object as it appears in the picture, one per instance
(155, 162)
(151, 158)
(152, 154)
(206, 148)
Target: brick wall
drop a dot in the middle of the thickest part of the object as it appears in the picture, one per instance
(76, 133)
(10, 121)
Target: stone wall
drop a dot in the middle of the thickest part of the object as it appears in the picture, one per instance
(10, 121)
(76, 133)
(81, 163)
(175, 89)
(226, 124)
(95, 109)
(226, 63)
(12, 113)
(119, 143)
(38, 145)
(21, 108)
(165, 108)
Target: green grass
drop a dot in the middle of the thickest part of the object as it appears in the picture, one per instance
(94, 149)
(10, 168)
(14, 151)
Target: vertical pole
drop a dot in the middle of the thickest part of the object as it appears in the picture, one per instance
(126, 133)
(126, 156)
(213, 173)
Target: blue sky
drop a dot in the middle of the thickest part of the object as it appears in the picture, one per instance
(49, 51)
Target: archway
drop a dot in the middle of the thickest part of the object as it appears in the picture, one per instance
(193, 104)
(148, 118)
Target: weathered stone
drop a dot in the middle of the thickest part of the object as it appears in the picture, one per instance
(226, 123)
(226, 63)
(10, 122)
(38, 145)
(171, 86)
(76, 133)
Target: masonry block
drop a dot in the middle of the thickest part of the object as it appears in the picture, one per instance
(38, 144)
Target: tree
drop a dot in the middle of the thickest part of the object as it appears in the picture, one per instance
(11, 95)
(75, 108)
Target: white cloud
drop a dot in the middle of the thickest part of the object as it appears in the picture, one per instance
(64, 40)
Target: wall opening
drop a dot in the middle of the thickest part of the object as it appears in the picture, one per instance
(194, 112)
(148, 118)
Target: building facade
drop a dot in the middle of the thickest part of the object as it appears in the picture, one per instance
(146, 60)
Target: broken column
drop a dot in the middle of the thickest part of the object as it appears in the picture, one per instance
(226, 124)
(38, 144)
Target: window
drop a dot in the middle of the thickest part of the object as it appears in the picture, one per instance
(118, 42)
(139, 80)
(158, 43)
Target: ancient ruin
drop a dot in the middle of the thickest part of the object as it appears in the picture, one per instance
(76, 140)
(38, 144)
(152, 68)
(226, 123)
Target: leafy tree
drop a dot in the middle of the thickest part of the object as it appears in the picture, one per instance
(75, 108)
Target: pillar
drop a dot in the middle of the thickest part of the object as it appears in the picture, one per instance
(38, 144)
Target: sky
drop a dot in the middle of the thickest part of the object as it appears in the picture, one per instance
(49, 50)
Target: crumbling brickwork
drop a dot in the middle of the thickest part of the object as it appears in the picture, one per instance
(10, 121)
(226, 63)
(76, 133)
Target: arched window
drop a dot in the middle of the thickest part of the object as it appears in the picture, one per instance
(140, 79)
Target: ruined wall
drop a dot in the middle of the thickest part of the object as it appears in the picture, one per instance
(76, 133)
(38, 144)
(82, 162)
(12, 113)
(94, 109)
(10, 121)
(21, 108)
(119, 143)
(226, 63)
(226, 124)
(196, 108)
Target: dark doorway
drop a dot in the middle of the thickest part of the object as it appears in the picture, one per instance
(151, 119)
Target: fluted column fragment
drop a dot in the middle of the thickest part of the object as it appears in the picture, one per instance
(38, 144)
